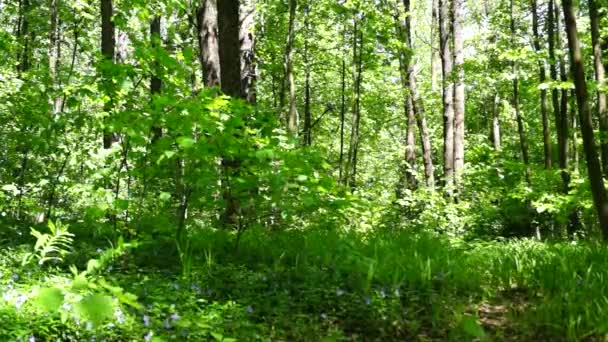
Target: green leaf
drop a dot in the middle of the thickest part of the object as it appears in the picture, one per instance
(50, 299)
(471, 327)
(96, 307)
(185, 142)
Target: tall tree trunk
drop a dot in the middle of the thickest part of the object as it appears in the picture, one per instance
(593, 164)
(496, 139)
(435, 50)
(416, 102)
(351, 163)
(23, 36)
(543, 92)
(155, 81)
(248, 62)
(208, 42)
(408, 175)
(55, 55)
(307, 99)
(108, 47)
(342, 109)
(523, 140)
(600, 78)
(459, 104)
(292, 113)
(448, 91)
(561, 119)
(229, 47)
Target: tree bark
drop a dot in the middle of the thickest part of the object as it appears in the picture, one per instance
(561, 118)
(55, 55)
(582, 98)
(448, 91)
(229, 47)
(208, 43)
(342, 109)
(459, 91)
(292, 113)
(416, 102)
(496, 139)
(600, 79)
(351, 163)
(543, 91)
(435, 50)
(523, 140)
(108, 47)
(307, 99)
(155, 81)
(247, 50)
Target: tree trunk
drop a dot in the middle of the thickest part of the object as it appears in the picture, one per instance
(292, 113)
(448, 91)
(229, 47)
(459, 104)
(523, 140)
(342, 110)
(593, 164)
(307, 99)
(496, 140)
(108, 47)
(599, 77)
(55, 56)
(543, 92)
(416, 102)
(561, 119)
(155, 81)
(247, 50)
(23, 37)
(208, 43)
(435, 59)
(351, 163)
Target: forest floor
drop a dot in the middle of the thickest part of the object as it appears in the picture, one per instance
(308, 286)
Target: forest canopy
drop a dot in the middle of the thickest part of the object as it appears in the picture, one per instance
(303, 170)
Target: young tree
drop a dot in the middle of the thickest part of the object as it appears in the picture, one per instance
(108, 47)
(448, 90)
(523, 140)
(600, 78)
(351, 162)
(292, 113)
(155, 81)
(543, 91)
(416, 104)
(247, 50)
(582, 98)
(459, 91)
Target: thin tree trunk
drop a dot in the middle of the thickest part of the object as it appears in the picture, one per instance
(435, 59)
(593, 164)
(55, 55)
(292, 113)
(351, 163)
(307, 99)
(416, 102)
(543, 92)
(561, 121)
(108, 47)
(342, 111)
(229, 47)
(155, 81)
(496, 139)
(448, 91)
(408, 173)
(523, 140)
(600, 78)
(459, 91)
(208, 43)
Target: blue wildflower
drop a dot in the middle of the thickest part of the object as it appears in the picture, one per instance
(167, 325)
(196, 288)
(32, 339)
(249, 309)
(382, 293)
(148, 336)
(368, 301)
(15, 276)
(175, 317)
(120, 316)
(89, 325)
(146, 319)
(20, 300)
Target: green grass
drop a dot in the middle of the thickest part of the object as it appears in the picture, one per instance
(322, 285)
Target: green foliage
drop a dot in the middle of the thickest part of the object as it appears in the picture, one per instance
(50, 247)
